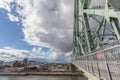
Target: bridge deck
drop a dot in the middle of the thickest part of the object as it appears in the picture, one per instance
(87, 74)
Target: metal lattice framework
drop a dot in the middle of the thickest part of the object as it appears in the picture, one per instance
(92, 36)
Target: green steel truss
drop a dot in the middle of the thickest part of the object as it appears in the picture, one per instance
(87, 36)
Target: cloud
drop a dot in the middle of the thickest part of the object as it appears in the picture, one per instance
(11, 54)
(37, 50)
(40, 53)
(59, 56)
(45, 22)
(5, 4)
(49, 24)
(51, 55)
(13, 18)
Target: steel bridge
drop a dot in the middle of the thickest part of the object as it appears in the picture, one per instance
(96, 38)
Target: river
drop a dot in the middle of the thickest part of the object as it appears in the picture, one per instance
(41, 78)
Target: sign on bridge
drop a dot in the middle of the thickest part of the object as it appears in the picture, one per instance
(100, 55)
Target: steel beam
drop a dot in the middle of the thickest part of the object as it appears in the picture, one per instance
(106, 30)
(101, 12)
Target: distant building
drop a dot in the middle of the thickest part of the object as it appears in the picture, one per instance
(1, 62)
(25, 61)
(20, 64)
(16, 64)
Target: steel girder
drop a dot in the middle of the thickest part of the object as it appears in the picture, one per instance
(88, 39)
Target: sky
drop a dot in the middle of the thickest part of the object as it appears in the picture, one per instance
(36, 29)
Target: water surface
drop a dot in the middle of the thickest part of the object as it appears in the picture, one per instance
(41, 78)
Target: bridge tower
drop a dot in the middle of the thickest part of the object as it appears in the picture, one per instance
(95, 25)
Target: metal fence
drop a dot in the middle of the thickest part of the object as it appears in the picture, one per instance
(103, 63)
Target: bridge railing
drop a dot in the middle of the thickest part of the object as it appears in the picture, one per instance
(103, 63)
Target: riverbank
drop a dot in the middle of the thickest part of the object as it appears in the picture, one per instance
(40, 73)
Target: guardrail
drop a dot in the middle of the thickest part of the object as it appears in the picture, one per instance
(103, 63)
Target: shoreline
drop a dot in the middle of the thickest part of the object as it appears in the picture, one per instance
(40, 73)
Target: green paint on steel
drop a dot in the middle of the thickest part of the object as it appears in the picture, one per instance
(76, 47)
(115, 25)
(86, 40)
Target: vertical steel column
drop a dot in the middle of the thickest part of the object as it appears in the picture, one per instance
(99, 74)
(107, 67)
(76, 46)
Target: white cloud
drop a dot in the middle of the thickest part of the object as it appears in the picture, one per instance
(11, 54)
(13, 18)
(37, 50)
(5, 4)
(56, 55)
(45, 22)
(40, 53)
